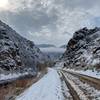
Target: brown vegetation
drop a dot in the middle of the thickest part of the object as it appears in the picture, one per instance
(11, 90)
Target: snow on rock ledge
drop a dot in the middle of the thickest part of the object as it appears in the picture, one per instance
(83, 50)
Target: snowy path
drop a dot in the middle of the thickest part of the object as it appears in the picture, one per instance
(47, 88)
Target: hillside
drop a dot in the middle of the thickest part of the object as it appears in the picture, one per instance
(83, 50)
(17, 53)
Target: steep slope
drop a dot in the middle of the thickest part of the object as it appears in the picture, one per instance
(18, 53)
(83, 50)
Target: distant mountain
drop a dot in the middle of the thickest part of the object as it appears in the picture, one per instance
(45, 45)
(63, 46)
(83, 50)
(53, 52)
(18, 53)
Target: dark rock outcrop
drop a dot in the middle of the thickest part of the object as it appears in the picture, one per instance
(18, 53)
(83, 50)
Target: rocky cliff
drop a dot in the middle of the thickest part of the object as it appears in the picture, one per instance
(83, 50)
(18, 53)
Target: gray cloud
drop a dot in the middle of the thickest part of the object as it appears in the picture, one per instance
(51, 21)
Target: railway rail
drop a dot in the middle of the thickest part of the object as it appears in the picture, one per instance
(71, 89)
(94, 82)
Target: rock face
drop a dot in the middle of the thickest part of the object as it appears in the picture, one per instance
(18, 53)
(83, 50)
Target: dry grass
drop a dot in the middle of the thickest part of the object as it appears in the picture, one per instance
(10, 91)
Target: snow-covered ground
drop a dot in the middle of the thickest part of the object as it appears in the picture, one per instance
(91, 73)
(47, 88)
(11, 76)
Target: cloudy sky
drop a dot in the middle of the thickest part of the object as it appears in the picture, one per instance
(50, 21)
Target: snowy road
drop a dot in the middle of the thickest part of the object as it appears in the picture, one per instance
(47, 88)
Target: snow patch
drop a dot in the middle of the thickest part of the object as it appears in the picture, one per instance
(11, 76)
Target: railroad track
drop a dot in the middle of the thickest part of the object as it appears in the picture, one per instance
(71, 89)
(74, 90)
(94, 82)
(77, 89)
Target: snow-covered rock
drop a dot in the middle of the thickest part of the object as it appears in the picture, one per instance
(83, 50)
(18, 53)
